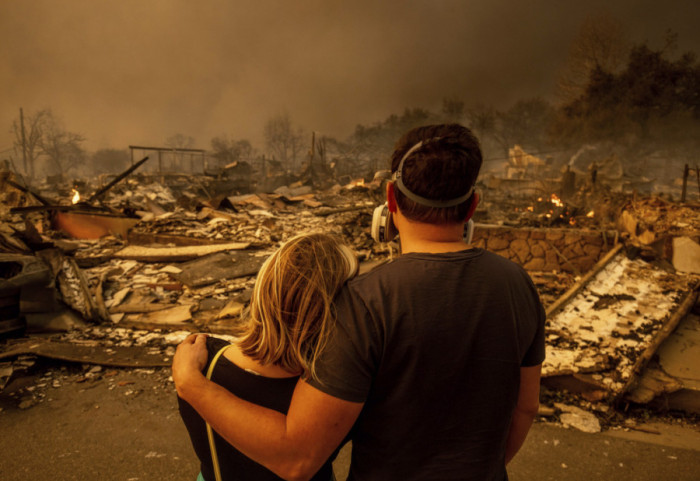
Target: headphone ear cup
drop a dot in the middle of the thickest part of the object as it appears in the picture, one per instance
(468, 232)
(383, 228)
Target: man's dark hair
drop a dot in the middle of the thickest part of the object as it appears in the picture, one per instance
(444, 167)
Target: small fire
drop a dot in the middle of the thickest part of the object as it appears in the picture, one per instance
(556, 200)
(530, 209)
(590, 214)
(76, 196)
(572, 221)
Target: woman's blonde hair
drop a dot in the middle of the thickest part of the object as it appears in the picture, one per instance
(291, 311)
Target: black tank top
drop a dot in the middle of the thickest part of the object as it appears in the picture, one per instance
(273, 393)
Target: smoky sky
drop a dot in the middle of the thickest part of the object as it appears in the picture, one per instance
(136, 72)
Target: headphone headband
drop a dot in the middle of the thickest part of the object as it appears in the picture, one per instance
(398, 181)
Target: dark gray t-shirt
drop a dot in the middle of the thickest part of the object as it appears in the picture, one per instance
(433, 345)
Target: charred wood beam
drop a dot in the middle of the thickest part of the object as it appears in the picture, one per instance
(128, 171)
(27, 190)
(61, 208)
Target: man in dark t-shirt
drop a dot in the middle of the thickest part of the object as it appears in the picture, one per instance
(435, 358)
(432, 344)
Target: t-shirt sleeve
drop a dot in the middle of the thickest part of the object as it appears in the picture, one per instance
(347, 365)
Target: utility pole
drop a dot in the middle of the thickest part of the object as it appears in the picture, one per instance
(24, 143)
(311, 158)
(313, 145)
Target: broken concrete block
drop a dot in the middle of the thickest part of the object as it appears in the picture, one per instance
(627, 223)
(653, 382)
(647, 237)
(686, 255)
(578, 418)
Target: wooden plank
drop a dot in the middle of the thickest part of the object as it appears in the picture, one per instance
(113, 356)
(146, 238)
(568, 295)
(175, 254)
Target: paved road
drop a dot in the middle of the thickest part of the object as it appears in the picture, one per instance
(123, 425)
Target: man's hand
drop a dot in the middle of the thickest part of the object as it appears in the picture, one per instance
(293, 446)
(190, 358)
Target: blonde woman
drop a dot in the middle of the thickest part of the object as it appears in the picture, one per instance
(284, 330)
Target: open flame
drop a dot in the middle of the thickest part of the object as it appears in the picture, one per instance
(590, 214)
(355, 183)
(76, 196)
(556, 200)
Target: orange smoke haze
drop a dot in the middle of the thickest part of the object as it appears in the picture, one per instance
(135, 72)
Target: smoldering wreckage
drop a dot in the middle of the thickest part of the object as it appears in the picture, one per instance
(117, 280)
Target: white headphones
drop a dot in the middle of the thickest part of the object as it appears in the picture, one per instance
(383, 228)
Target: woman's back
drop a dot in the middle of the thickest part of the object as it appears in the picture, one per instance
(284, 329)
(273, 393)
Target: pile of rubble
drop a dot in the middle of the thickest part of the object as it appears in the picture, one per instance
(178, 268)
(159, 261)
(612, 325)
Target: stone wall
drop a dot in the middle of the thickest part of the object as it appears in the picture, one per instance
(545, 249)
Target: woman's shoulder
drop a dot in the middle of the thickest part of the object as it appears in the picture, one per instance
(214, 345)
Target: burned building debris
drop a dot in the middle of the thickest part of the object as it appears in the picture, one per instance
(119, 280)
